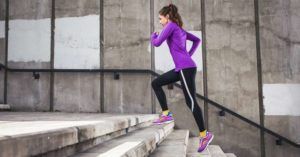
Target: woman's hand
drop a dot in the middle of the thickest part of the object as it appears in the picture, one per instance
(154, 34)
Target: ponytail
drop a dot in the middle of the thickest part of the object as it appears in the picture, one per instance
(172, 11)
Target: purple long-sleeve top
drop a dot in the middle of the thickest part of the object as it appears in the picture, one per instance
(176, 39)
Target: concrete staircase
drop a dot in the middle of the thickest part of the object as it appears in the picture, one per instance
(91, 135)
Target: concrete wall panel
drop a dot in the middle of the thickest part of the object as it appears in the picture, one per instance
(77, 92)
(234, 135)
(77, 46)
(2, 47)
(232, 73)
(280, 45)
(29, 47)
(126, 40)
(24, 93)
(130, 94)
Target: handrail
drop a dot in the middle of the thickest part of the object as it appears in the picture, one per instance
(225, 109)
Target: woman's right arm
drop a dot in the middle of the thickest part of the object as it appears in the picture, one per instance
(195, 41)
(157, 40)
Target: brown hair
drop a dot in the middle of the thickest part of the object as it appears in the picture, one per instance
(174, 16)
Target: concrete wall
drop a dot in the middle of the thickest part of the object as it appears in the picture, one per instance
(232, 73)
(126, 39)
(280, 43)
(77, 38)
(29, 47)
(2, 47)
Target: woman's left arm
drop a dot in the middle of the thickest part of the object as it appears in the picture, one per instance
(157, 40)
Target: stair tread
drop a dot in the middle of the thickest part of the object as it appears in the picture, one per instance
(192, 148)
(216, 151)
(137, 143)
(174, 145)
(64, 129)
(230, 155)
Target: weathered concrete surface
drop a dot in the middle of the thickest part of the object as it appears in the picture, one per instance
(77, 92)
(232, 73)
(174, 145)
(288, 126)
(2, 47)
(231, 56)
(230, 155)
(192, 148)
(130, 94)
(29, 9)
(126, 39)
(77, 8)
(216, 151)
(2, 86)
(285, 150)
(280, 41)
(138, 143)
(25, 93)
(234, 135)
(127, 25)
(34, 94)
(280, 45)
(37, 133)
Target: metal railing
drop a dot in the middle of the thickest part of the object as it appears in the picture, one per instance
(116, 71)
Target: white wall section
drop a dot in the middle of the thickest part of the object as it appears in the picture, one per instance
(77, 42)
(282, 99)
(29, 40)
(2, 29)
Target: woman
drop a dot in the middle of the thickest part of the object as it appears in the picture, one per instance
(185, 69)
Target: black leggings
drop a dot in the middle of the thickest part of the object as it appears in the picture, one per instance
(187, 80)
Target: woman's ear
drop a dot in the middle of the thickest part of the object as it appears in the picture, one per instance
(167, 16)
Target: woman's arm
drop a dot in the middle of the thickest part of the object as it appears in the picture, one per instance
(195, 41)
(157, 40)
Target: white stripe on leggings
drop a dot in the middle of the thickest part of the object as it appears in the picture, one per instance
(187, 90)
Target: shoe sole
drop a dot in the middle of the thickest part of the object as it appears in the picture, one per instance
(208, 143)
(166, 122)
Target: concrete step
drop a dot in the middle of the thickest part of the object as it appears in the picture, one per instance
(192, 148)
(4, 107)
(62, 134)
(211, 151)
(138, 143)
(230, 155)
(216, 151)
(174, 145)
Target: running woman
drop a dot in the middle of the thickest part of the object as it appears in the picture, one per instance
(185, 69)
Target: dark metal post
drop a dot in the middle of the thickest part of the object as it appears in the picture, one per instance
(259, 78)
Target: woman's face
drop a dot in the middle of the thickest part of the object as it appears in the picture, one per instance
(163, 20)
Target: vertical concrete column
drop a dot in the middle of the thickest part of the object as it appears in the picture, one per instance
(77, 46)
(2, 48)
(280, 46)
(126, 40)
(232, 73)
(29, 47)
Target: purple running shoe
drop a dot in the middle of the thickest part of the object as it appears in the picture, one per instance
(204, 142)
(163, 119)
